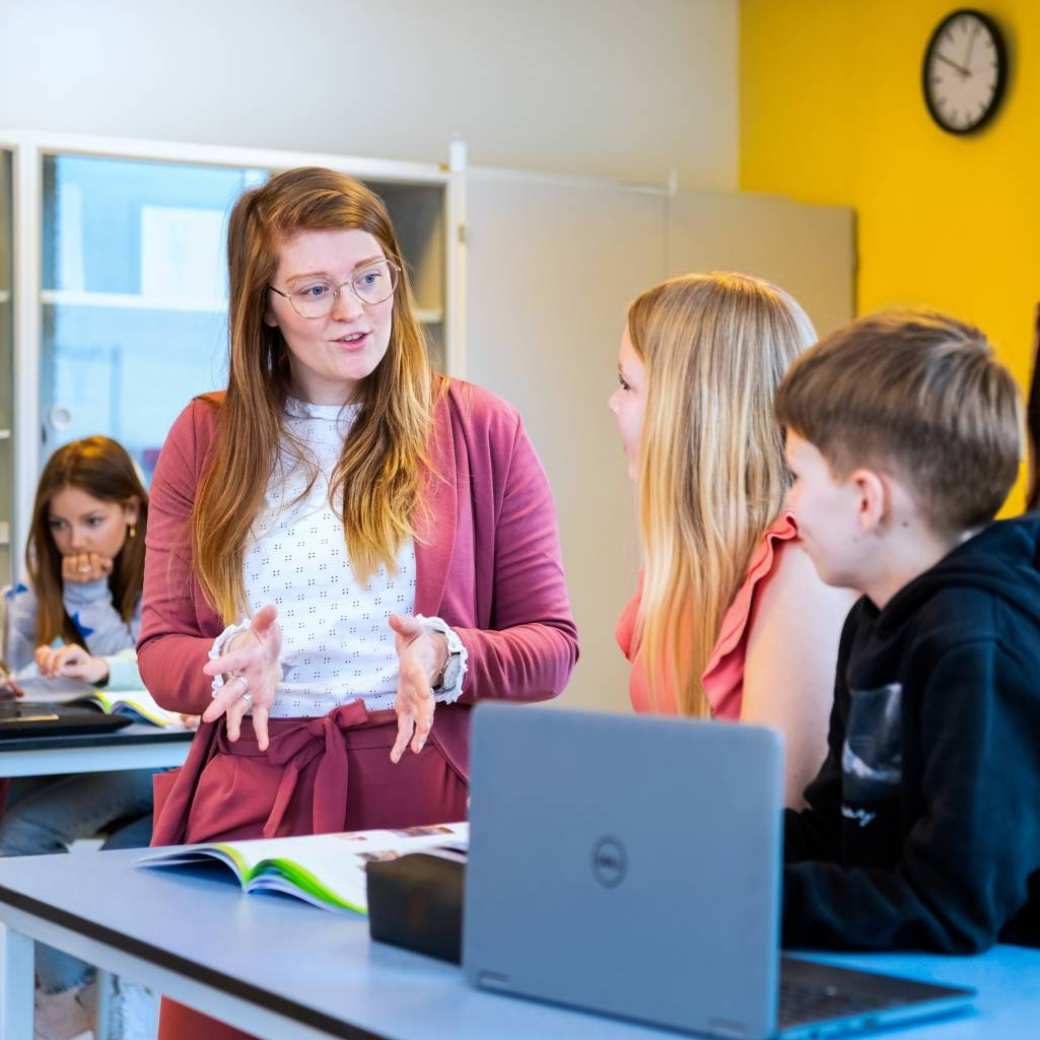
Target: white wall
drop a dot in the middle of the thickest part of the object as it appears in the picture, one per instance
(626, 88)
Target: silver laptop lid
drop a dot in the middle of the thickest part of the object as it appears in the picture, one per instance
(626, 864)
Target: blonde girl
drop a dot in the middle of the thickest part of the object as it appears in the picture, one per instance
(731, 620)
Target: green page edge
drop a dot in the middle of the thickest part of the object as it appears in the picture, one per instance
(289, 869)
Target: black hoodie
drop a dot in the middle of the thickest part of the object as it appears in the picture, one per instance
(923, 826)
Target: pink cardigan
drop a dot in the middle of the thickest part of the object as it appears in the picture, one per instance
(723, 677)
(487, 561)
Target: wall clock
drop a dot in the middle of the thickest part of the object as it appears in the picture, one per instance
(965, 71)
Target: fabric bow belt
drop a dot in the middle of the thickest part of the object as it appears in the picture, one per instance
(294, 745)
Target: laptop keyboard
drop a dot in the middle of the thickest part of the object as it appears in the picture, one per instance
(807, 1003)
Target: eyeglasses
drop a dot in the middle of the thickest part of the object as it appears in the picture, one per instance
(371, 284)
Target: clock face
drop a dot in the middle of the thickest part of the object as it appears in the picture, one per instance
(965, 71)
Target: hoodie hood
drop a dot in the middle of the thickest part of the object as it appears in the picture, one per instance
(1003, 559)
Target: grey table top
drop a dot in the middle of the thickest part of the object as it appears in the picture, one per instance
(321, 968)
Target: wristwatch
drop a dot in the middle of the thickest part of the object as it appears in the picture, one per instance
(450, 673)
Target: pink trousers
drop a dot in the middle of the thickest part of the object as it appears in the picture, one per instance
(317, 776)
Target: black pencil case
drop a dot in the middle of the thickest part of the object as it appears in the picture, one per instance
(415, 901)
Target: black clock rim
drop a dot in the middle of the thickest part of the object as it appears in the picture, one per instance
(1002, 71)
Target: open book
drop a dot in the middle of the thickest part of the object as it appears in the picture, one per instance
(137, 704)
(327, 870)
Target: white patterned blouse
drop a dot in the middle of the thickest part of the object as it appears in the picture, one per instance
(336, 643)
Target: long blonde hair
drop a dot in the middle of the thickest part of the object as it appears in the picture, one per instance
(712, 475)
(376, 482)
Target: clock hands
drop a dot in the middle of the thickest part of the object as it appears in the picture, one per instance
(949, 61)
(971, 44)
(965, 69)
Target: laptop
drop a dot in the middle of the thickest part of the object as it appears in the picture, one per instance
(34, 719)
(632, 866)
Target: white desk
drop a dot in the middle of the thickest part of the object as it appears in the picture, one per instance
(139, 746)
(281, 969)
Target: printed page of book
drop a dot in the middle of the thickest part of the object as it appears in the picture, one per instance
(327, 870)
(139, 705)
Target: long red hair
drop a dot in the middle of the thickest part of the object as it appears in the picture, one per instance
(376, 483)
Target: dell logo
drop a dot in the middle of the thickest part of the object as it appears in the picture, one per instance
(609, 862)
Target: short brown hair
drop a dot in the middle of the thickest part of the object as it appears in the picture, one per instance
(917, 392)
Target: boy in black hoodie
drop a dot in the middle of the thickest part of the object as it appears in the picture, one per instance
(923, 826)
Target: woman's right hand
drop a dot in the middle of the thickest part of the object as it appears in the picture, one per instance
(251, 666)
(85, 567)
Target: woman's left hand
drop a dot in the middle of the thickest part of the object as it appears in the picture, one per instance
(421, 656)
(72, 661)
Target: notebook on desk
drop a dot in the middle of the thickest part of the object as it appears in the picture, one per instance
(632, 866)
(20, 718)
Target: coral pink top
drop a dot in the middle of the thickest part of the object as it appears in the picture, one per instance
(723, 678)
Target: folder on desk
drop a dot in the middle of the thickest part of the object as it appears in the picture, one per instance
(31, 718)
(137, 705)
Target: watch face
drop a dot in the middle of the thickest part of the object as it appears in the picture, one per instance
(965, 71)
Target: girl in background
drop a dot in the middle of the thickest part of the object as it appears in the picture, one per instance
(730, 620)
(78, 618)
(80, 615)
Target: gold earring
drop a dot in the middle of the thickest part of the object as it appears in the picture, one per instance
(132, 531)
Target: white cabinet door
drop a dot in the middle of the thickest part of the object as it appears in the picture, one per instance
(551, 268)
(808, 250)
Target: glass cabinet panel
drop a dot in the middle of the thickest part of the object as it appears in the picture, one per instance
(134, 289)
(419, 219)
(134, 295)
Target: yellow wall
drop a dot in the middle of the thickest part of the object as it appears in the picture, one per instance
(831, 111)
